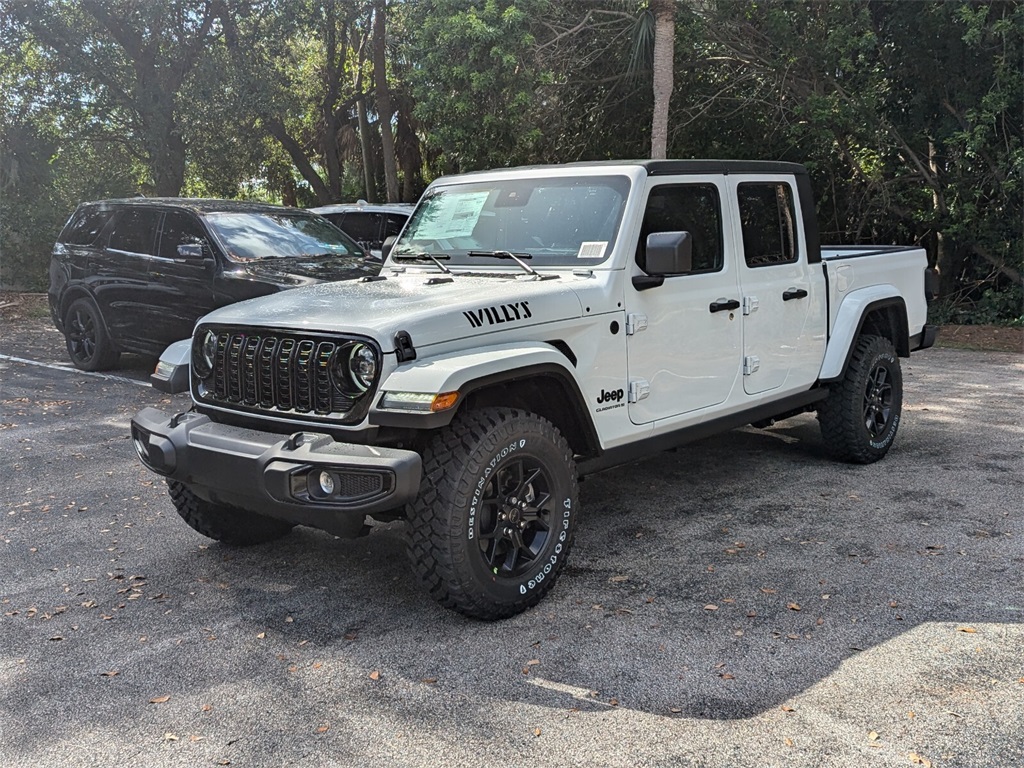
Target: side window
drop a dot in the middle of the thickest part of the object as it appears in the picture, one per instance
(135, 231)
(85, 226)
(180, 228)
(768, 219)
(361, 227)
(693, 208)
(393, 224)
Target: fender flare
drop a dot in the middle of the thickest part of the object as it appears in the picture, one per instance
(853, 310)
(469, 370)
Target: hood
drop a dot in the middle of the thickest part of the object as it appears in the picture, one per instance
(296, 271)
(432, 307)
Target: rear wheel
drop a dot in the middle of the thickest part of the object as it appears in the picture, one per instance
(493, 523)
(223, 523)
(861, 415)
(85, 334)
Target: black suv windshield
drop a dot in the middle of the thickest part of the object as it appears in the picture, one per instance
(254, 236)
(554, 221)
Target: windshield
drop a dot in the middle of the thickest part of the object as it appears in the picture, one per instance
(254, 236)
(555, 222)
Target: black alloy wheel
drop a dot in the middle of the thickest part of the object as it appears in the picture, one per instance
(86, 338)
(878, 402)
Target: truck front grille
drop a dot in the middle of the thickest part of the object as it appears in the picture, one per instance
(283, 373)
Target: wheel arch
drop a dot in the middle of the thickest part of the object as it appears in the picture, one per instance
(537, 377)
(873, 311)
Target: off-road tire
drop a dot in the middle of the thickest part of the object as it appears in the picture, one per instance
(86, 337)
(861, 415)
(489, 463)
(222, 523)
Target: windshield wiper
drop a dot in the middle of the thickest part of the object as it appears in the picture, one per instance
(434, 257)
(516, 257)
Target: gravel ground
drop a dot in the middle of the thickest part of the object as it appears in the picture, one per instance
(739, 602)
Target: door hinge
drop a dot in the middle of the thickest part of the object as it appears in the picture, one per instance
(750, 364)
(635, 324)
(638, 390)
(750, 305)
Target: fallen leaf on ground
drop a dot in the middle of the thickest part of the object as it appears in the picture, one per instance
(111, 673)
(536, 731)
(793, 606)
(160, 700)
(787, 708)
(710, 607)
(968, 630)
(787, 741)
(619, 578)
(917, 759)
(375, 675)
(873, 736)
(324, 728)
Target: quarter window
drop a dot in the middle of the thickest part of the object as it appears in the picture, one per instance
(86, 226)
(768, 220)
(693, 208)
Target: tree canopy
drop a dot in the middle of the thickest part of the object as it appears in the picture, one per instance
(909, 115)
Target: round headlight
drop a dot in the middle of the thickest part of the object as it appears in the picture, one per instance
(203, 354)
(362, 366)
(354, 368)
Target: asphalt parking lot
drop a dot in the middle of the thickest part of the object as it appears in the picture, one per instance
(739, 602)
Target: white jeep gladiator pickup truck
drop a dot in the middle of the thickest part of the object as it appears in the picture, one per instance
(529, 326)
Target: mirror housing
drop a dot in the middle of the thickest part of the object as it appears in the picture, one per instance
(191, 251)
(387, 245)
(669, 253)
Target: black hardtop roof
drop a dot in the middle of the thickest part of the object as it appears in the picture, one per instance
(198, 204)
(673, 167)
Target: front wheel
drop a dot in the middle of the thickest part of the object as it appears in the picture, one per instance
(860, 417)
(493, 523)
(223, 523)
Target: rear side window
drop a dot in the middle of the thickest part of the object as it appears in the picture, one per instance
(361, 227)
(693, 208)
(768, 219)
(135, 231)
(393, 224)
(85, 226)
(180, 229)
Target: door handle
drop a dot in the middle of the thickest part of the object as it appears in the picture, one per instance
(794, 293)
(723, 304)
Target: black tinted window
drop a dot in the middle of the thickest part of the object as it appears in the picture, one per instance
(361, 227)
(693, 208)
(180, 228)
(768, 220)
(135, 231)
(286, 234)
(393, 224)
(85, 226)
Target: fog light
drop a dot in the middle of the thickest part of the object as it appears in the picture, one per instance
(326, 483)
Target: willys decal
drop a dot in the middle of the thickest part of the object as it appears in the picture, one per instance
(503, 313)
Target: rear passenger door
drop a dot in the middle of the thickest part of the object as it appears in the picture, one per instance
(683, 337)
(783, 302)
(121, 279)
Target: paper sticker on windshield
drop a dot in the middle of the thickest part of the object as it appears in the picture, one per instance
(451, 215)
(592, 249)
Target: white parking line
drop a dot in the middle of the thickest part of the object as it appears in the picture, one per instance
(68, 369)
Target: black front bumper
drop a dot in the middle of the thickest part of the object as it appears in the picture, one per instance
(277, 476)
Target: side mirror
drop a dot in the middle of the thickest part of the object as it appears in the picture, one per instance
(669, 253)
(191, 251)
(387, 245)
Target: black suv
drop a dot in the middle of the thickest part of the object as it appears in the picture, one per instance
(134, 275)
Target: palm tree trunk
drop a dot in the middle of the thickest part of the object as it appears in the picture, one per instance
(384, 110)
(664, 12)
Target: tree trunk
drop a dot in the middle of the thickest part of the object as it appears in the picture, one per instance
(664, 50)
(367, 151)
(332, 161)
(276, 129)
(384, 110)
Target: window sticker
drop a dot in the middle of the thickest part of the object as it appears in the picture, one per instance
(592, 249)
(453, 215)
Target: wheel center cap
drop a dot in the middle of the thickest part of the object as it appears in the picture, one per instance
(513, 514)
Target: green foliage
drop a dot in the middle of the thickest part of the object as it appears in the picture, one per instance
(907, 114)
